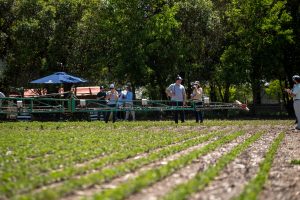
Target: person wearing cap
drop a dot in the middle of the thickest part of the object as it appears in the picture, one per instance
(128, 98)
(112, 97)
(295, 93)
(101, 95)
(196, 97)
(178, 97)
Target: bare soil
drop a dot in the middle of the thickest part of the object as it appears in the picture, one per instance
(283, 182)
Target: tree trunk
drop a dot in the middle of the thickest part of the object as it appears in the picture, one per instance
(226, 93)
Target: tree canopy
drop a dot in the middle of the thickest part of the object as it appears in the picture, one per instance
(223, 44)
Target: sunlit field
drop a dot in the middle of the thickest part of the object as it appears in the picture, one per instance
(150, 160)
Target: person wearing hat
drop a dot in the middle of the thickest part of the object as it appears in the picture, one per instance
(128, 98)
(295, 93)
(112, 97)
(177, 93)
(196, 97)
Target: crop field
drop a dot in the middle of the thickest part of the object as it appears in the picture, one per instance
(150, 160)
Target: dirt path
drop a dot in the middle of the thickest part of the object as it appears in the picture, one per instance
(202, 131)
(159, 189)
(236, 175)
(284, 178)
(283, 182)
(88, 192)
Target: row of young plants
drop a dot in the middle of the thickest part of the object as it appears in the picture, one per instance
(31, 126)
(255, 186)
(26, 174)
(112, 172)
(153, 175)
(42, 159)
(183, 191)
(67, 172)
(295, 162)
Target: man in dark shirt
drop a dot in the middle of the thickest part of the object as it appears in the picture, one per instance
(101, 95)
(101, 98)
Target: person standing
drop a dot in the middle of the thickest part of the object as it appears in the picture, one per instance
(295, 93)
(120, 104)
(112, 97)
(196, 97)
(128, 97)
(178, 97)
(101, 95)
(2, 95)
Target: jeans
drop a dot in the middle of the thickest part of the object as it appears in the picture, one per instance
(297, 112)
(198, 114)
(130, 106)
(108, 113)
(181, 112)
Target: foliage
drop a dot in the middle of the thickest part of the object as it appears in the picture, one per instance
(223, 44)
(295, 162)
(274, 90)
(257, 28)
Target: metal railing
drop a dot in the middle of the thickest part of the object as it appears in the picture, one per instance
(29, 106)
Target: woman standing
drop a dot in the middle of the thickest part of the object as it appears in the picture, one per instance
(295, 93)
(197, 99)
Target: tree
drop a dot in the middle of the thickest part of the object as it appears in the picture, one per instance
(257, 33)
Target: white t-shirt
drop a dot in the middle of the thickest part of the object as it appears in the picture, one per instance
(178, 91)
(296, 91)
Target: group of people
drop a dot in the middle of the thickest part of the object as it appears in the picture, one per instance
(114, 98)
(178, 96)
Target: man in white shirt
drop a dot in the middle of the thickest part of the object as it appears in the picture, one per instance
(295, 93)
(178, 97)
(1, 96)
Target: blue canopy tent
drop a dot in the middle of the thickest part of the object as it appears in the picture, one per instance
(59, 78)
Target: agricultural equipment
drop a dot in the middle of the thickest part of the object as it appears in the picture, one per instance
(26, 108)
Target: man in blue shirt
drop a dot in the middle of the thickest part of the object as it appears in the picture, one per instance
(178, 97)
